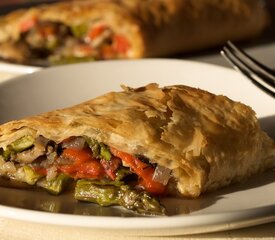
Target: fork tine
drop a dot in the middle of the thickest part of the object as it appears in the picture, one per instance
(259, 79)
(250, 59)
(262, 76)
(251, 63)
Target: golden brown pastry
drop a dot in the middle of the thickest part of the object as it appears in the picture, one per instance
(171, 140)
(112, 29)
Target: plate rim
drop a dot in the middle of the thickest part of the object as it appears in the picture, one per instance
(211, 222)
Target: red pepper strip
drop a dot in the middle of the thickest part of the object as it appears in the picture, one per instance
(121, 44)
(47, 31)
(28, 24)
(96, 31)
(83, 166)
(108, 52)
(91, 169)
(143, 170)
(40, 170)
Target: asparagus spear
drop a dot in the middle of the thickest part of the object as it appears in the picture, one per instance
(18, 145)
(140, 201)
(106, 195)
(99, 149)
(30, 176)
(22, 143)
(56, 185)
(80, 30)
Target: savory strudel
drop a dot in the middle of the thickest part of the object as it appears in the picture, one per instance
(85, 30)
(131, 146)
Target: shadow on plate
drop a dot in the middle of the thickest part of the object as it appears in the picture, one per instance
(268, 125)
(31, 199)
(185, 206)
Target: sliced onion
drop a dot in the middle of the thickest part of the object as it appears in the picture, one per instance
(8, 167)
(41, 141)
(74, 142)
(162, 175)
(47, 161)
(20, 174)
(30, 155)
(63, 160)
(51, 173)
(51, 157)
(2, 161)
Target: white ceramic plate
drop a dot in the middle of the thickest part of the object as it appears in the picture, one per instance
(9, 70)
(233, 207)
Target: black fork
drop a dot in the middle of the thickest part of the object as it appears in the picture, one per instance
(262, 76)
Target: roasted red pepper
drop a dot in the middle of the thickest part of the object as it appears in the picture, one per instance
(83, 165)
(143, 170)
(120, 44)
(27, 24)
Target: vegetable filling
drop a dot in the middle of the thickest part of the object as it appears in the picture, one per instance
(59, 43)
(103, 174)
